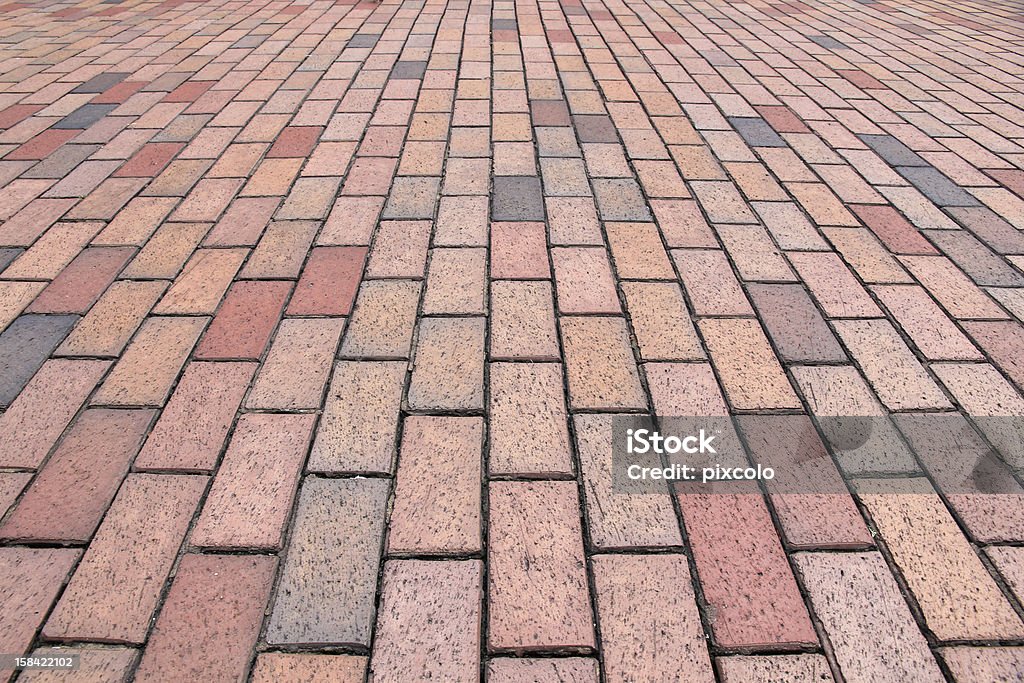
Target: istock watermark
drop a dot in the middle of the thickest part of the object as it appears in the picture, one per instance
(950, 453)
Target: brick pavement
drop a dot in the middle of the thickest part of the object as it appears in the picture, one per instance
(313, 316)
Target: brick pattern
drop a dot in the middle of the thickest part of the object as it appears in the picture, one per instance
(320, 311)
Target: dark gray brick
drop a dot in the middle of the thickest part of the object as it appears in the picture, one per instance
(595, 128)
(828, 42)
(7, 256)
(937, 187)
(364, 40)
(85, 116)
(61, 162)
(25, 345)
(517, 199)
(978, 261)
(409, 70)
(101, 82)
(756, 132)
(892, 150)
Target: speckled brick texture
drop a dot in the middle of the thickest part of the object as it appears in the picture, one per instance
(316, 317)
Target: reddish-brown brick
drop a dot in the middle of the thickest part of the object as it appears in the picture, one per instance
(30, 580)
(69, 496)
(245, 321)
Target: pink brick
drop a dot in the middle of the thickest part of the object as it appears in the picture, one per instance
(35, 419)
(527, 432)
(639, 596)
(30, 580)
(584, 279)
(329, 281)
(537, 585)
(519, 251)
(191, 431)
(251, 498)
(115, 590)
(298, 364)
(441, 603)
(438, 453)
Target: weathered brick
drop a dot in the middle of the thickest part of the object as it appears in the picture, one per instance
(638, 595)
(25, 346)
(438, 453)
(600, 366)
(360, 418)
(382, 324)
(456, 282)
(519, 251)
(439, 601)
(399, 250)
(297, 366)
(315, 668)
(527, 431)
(448, 366)
(661, 321)
(329, 281)
(327, 584)
(151, 363)
(202, 283)
(251, 497)
(871, 629)
(115, 589)
(750, 372)
(30, 580)
(537, 583)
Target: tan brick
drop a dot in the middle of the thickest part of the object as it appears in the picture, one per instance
(527, 431)
(750, 372)
(297, 366)
(584, 279)
(456, 282)
(313, 668)
(661, 321)
(202, 283)
(448, 367)
(112, 321)
(522, 321)
(399, 250)
(382, 324)
(151, 363)
(600, 366)
(709, 281)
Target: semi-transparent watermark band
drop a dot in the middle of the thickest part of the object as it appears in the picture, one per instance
(821, 455)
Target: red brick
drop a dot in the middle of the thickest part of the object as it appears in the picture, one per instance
(30, 580)
(439, 602)
(869, 625)
(245, 321)
(327, 585)
(37, 417)
(537, 584)
(249, 503)
(186, 643)
(115, 590)
(192, 429)
(188, 91)
(80, 284)
(642, 595)
(519, 251)
(893, 229)
(42, 145)
(70, 494)
(438, 453)
(295, 141)
(750, 591)
(329, 281)
(95, 663)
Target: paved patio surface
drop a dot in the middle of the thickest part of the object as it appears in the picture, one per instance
(314, 317)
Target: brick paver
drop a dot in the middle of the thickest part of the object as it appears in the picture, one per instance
(316, 319)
